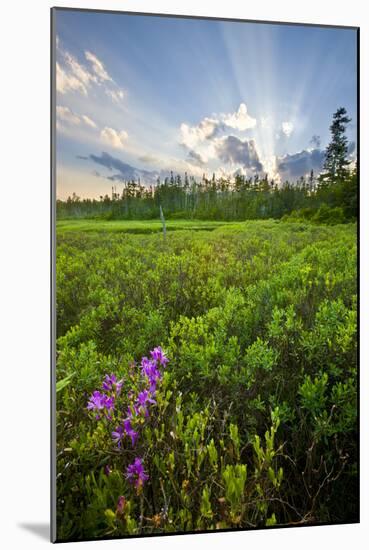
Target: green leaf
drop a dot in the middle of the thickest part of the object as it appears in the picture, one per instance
(63, 383)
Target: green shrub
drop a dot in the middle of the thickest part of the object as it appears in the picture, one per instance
(255, 419)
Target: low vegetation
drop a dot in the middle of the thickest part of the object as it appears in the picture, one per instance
(206, 380)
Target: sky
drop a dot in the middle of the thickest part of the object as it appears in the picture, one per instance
(139, 96)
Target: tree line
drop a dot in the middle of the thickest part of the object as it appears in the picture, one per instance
(335, 189)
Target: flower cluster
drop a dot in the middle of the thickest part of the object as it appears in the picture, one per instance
(101, 402)
(111, 383)
(136, 473)
(111, 402)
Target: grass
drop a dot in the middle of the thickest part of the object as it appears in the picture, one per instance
(139, 226)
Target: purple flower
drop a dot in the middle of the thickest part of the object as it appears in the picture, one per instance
(111, 383)
(144, 397)
(109, 402)
(118, 435)
(136, 473)
(158, 355)
(107, 470)
(151, 371)
(130, 431)
(99, 401)
(142, 402)
(96, 401)
(147, 366)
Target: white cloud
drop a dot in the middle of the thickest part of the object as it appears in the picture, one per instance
(115, 95)
(67, 81)
(66, 115)
(240, 120)
(97, 67)
(191, 136)
(114, 138)
(72, 76)
(287, 128)
(209, 127)
(79, 71)
(87, 120)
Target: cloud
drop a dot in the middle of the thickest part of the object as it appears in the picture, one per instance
(210, 127)
(149, 159)
(196, 158)
(113, 137)
(87, 120)
(116, 95)
(110, 162)
(191, 136)
(121, 171)
(66, 81)
(231, 149)
(240, 120)
(292, 167)
(209, 139)
(73, 76)
(287, 128)
(67, 116)
(351, 148)
(97, 67)
(124, 171)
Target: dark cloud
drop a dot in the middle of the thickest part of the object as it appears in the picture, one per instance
(195, 158)
(116, 177)
(113, 163)
(292, 167)
(232, 149)
(148, 159)
(124, 171)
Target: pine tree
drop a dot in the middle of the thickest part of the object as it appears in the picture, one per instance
(336, 163)
(311, 181)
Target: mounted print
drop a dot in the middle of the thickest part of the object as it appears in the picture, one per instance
(204, 275)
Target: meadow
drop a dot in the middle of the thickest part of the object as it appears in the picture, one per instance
(206, 380)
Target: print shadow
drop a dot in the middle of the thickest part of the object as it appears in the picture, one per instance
(42, 530)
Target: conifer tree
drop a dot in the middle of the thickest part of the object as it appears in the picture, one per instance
(336, 162)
